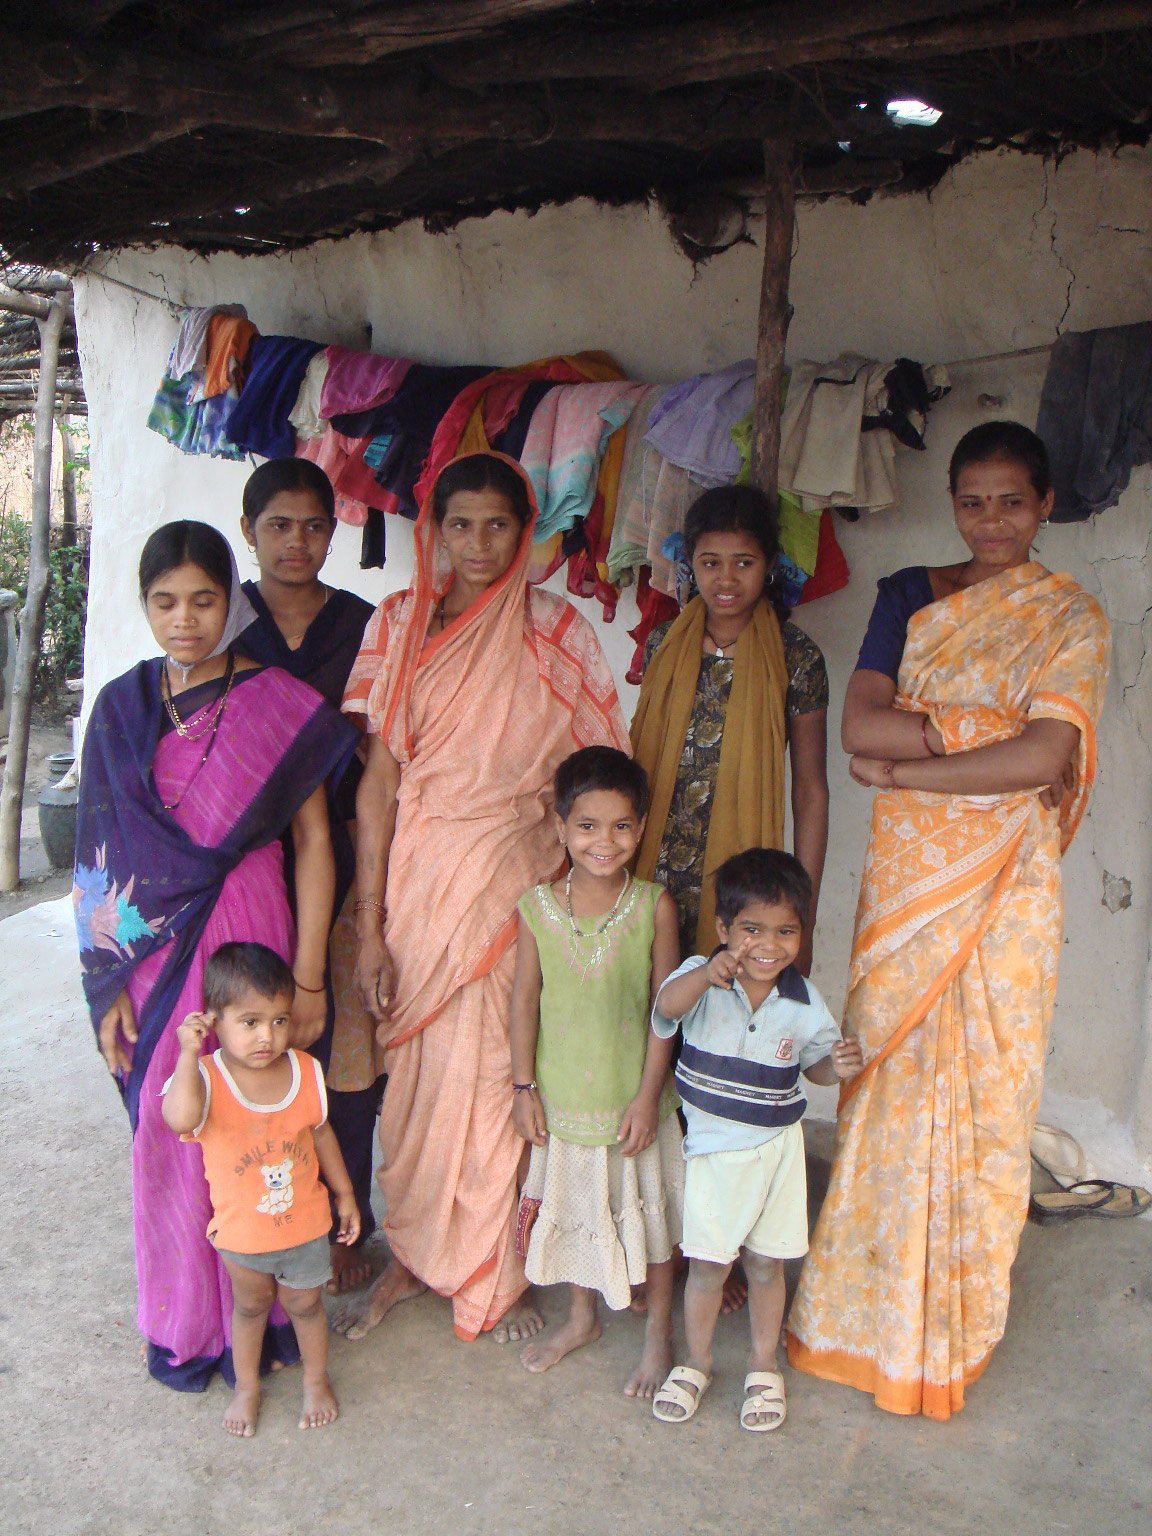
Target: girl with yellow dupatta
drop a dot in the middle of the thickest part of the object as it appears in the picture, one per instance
(728, 688)
(973, 713)
(474, 688)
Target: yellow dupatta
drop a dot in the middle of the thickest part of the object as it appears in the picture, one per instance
(748, 802)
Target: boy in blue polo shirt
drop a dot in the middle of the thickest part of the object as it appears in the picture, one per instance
(751, 1024)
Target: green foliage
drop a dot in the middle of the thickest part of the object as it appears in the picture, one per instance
(62, 648)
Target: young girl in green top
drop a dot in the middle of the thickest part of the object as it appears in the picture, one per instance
(591, 1089)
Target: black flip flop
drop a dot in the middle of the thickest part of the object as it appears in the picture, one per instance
(1090, 1197)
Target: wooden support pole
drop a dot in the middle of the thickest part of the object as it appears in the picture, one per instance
(775, 312)
(67, 473)
(32, 614)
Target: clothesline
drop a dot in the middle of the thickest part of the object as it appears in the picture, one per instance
(169, 304)
(962, 362)
(1000, 357)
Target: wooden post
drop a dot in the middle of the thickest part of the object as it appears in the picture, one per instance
(67, 475)
(775, 312)
(32, 615)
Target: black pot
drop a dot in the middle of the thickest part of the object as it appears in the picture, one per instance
(58, 809)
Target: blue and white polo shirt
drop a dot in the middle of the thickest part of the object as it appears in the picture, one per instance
(739, 1068)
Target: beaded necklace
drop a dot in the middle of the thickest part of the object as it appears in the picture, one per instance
(598, 935)
(210, 729)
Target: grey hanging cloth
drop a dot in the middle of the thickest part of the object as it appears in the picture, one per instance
(1096, 416)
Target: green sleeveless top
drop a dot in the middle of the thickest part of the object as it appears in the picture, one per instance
(594, 1012)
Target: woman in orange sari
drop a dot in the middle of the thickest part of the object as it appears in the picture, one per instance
(973, 713)
(474, 688)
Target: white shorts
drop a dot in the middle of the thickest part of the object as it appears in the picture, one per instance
(754, 1198)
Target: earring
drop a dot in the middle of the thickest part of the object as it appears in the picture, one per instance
(251, 549)
(1043, 522)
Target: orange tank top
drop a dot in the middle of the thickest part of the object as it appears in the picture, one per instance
(260, 1160)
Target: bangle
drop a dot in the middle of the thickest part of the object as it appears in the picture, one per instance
(316, 991)
(928, 747)
(524, 1087)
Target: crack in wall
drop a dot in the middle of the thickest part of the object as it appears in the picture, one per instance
(1055, 249)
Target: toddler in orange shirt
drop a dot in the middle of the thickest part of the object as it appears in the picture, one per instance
(260, 1114)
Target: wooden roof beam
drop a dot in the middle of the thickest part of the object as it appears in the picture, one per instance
(381, 34)
(24, 303)
(373, 31)
(697, 121)
(691, 53)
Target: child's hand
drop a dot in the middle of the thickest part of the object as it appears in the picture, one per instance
(193, 1032)
(348, 1215)
(638, 1127)
(528, 1116)
(847, 1058)
(725, 964)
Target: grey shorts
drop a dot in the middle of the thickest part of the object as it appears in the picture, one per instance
(301, 1268)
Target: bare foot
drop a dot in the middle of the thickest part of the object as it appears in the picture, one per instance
(521, 1321)
(320, 1405)
(350, 1270)
(546, 1353)
(655, 1363)
(735, 1291)
(242, 1412)
(639, 1302)
(356, 1318)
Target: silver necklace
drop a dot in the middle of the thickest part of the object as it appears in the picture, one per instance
(598, 935)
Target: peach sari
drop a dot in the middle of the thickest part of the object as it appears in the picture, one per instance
(951, 992)
(478, 718)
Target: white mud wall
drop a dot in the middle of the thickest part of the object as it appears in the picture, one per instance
(1006, 253)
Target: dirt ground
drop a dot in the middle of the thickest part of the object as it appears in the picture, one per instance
(440, 1436)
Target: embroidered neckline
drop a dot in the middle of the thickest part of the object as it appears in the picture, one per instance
(588, 951)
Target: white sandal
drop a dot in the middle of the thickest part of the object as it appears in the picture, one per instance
(673, 1395)
(1058, 1153)
(765, 1395)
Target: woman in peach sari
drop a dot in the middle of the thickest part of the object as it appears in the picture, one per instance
(973, 713)
(474, 687)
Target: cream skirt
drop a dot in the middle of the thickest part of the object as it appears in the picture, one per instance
(605, 1217)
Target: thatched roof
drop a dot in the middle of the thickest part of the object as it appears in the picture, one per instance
(256, 124)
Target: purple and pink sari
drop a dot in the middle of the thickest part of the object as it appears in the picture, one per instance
(156, 891)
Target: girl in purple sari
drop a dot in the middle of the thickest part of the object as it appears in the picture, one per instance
(194, 765)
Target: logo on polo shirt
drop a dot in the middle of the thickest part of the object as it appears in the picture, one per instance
(784, 1051)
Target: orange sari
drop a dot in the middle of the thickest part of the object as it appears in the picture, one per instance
(478, 717)
(951, 992)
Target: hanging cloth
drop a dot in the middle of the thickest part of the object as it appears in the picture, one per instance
(230, 338)
(1096, 416)
(359, 381)
(276, 369)
(469, 428)
(694, 431)
(748, 803)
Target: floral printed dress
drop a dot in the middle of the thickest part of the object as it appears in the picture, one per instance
(680, 867)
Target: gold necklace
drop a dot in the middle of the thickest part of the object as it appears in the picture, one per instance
(210, 726)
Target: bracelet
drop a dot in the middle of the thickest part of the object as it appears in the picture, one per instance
(931, 750)
(368, 903)
(524, 1087)
(316, 991)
